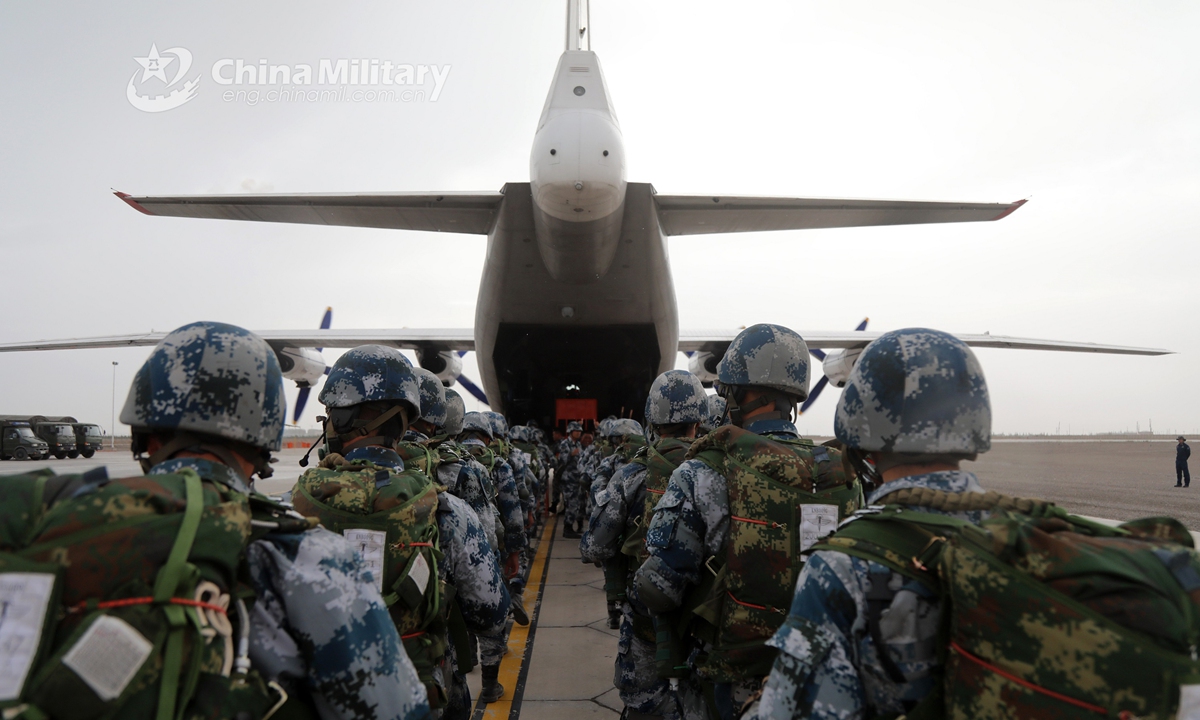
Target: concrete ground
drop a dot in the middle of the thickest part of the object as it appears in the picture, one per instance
(569, 650)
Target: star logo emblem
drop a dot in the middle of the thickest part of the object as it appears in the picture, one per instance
(154, 65)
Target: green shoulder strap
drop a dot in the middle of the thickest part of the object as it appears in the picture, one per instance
(165, 586)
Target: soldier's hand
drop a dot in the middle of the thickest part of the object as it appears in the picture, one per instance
(512, 565)
(574, 451)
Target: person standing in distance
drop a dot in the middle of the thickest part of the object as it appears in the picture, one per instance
(1183, 478)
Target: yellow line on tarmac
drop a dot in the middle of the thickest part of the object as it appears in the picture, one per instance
(518, 639)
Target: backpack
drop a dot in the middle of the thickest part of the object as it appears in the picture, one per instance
(391, 517)
(122, 597)
(784, 495)
(1045, 614)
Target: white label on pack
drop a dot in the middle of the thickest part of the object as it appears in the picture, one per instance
(420, 572)
(24, 598)
(816, 521)
(371, 545)
(108, 655)
(1189, 702)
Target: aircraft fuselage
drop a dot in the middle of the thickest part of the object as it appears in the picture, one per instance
(576, 297)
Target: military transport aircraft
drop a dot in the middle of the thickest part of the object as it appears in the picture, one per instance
(576, 299)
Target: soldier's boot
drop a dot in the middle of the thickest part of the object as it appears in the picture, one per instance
(614, 616)
(628, 714)
(518, 607)
(492, 690)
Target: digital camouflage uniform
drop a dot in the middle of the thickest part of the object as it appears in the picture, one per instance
(829, 665)
(675, 397)
(915, 391)
(569, 478)
(469, 564)
(691, 521)
(317, 624)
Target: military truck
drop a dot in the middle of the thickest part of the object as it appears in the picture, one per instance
(18, 441)
(59, 436)
(88, 437)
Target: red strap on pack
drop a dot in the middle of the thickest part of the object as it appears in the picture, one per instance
(126, 602)
(412, 635)
(752, 605)
(1025, 683)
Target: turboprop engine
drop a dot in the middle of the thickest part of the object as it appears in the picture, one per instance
(704, 366)
(837, 365)
(447, 365)
(304, 366)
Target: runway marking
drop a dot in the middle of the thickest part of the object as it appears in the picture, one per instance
(514, 667)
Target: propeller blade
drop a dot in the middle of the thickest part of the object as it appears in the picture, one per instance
(473, 389)
(301, 399)
(818, 354)
(862, 325)
(816, 391)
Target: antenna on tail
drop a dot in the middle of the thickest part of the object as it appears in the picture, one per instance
(578, 26)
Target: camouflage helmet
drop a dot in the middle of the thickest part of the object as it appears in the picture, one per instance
(625, 426)
(916, 391)
(477, 422)
(519, 433)
(499, 423)
(433, 397)
(455, 410)
(371, 373)
(716, 412)
(770, 356)
(604, 427)
(574, 426)
(676, 396)
(210, 378)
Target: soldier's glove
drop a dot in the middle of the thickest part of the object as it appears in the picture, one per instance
(655, 600)
(512, 566)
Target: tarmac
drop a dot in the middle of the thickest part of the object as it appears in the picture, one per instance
(562, 664)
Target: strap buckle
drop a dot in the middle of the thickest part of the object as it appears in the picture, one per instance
(708, 565)
(925, 554)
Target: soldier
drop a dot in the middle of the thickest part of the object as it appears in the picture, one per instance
(916, 405)
(477, 433)
(569, 478)
(154, 618)
(363, 488)
(626, 438)
(731, 510)
(615, 535)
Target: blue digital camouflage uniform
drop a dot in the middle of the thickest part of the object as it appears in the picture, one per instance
(690, 524)
(469, 564)
(319, 624)
(618, 509)
(829, 666)
(508, 501)
(570, 478)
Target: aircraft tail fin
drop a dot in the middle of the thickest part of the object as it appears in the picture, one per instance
(579, 31)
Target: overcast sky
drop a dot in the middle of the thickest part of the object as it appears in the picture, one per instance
(1090, 109)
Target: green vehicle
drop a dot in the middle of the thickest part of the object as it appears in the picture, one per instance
(88, 436)
(88, 439)
(18, 441)
(58, 435)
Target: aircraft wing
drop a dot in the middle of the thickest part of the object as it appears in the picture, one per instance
(471, 213)
(717, 340)
(442, 339)
(702, 215)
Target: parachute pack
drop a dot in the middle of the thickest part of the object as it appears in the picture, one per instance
(784, 496)
(391, 517)
(1045, 614)
(121, 597)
